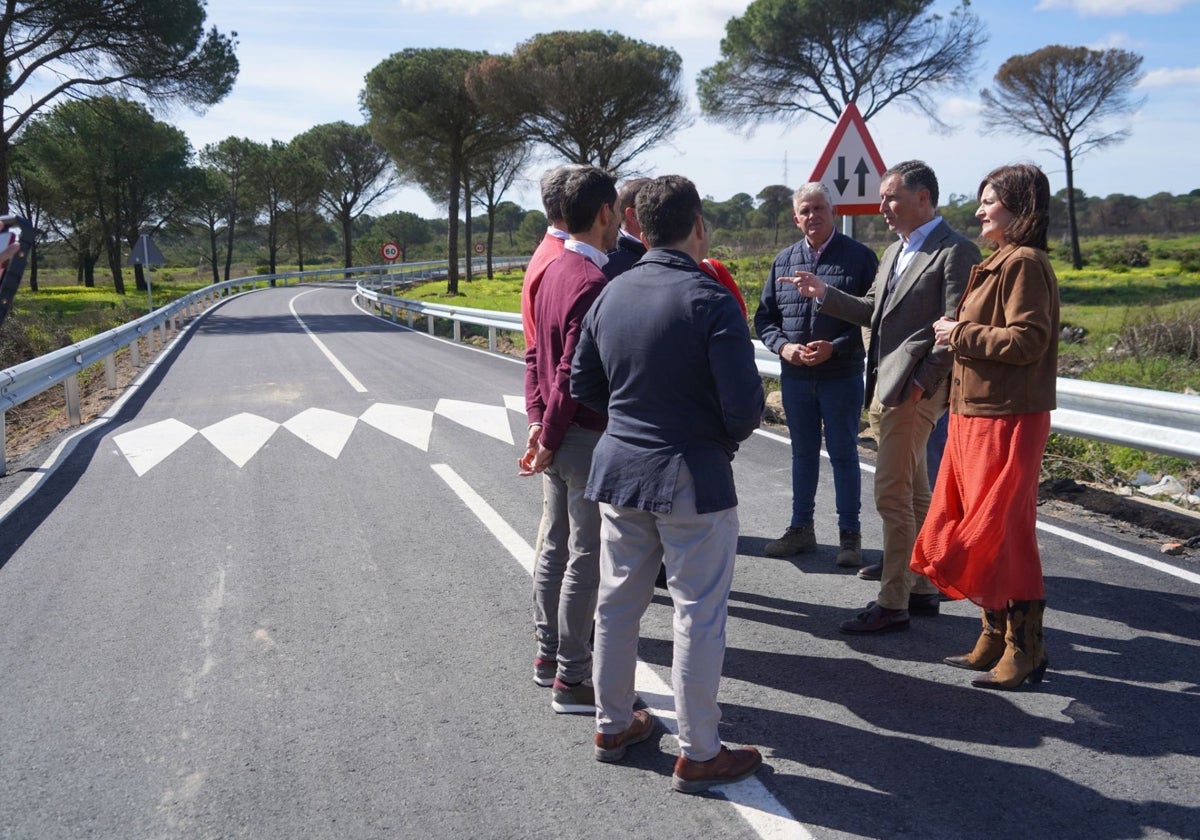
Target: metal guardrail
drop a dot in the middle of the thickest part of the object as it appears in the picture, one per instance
(391, 306)
(29, 379)
(1152, 421)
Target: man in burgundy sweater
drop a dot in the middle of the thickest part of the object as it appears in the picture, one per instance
(562, 435)
(551, 246)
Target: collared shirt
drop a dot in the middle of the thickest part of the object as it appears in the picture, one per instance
(913, 244)
(594, 255)
(815, 251)
(557, 233)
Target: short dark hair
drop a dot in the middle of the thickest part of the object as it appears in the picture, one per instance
(916, 175)
(627, 195)
(1024, 190)
(585, 191)
(667, 208)
(552, 187)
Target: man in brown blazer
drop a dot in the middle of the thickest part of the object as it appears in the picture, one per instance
(921, 277)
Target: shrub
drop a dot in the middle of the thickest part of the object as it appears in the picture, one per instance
(1189, 261)
(1121, 255)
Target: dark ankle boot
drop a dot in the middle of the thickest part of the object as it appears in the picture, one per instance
(1024, 656)
(988, 647)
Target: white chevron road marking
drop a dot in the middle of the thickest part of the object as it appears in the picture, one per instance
(487, 419)
(239, 437)
(149, 446)
(323, 429)
(414, 426)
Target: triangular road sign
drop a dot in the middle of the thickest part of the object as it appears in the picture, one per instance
(851, 166)
(145, 252)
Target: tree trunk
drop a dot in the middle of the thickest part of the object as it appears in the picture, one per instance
(452, 232)
(229, 242)
(112, 246)
(33, 267)
(212, 247)
(1076, 254)
(347, 232)
(468, 246)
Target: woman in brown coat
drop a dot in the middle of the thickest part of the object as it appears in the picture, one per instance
(979, 540)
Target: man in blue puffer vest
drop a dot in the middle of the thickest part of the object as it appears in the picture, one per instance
(821, 371)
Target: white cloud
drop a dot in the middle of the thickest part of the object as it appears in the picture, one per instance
(675, 18)
(955, 109)
(1170, 77)
(1113, 7)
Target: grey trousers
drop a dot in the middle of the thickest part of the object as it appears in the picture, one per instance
(567, 569)
(698, 551)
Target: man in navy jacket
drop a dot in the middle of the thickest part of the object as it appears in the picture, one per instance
(666, 354)
(821, 371)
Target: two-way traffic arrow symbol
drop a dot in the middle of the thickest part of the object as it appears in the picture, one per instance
(862, 170)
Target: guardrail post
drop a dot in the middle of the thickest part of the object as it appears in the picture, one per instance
(410, 316)
(71, 385)
(492, 339)
(429, 319)
(135, 353)
(3, 445)
(110, 370)
(458, 330)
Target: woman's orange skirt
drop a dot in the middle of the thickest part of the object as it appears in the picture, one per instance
(979, 540)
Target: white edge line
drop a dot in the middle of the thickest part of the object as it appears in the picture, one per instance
(333, 360)
(766, 815)
(1133, 557)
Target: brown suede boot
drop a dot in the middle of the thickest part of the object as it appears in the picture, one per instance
(988, 647)
(1024, 656)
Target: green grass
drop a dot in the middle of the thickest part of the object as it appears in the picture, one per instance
(500, 294)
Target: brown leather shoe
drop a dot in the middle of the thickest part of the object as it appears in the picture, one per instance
(872, 572)
(877, 619)
(727, 767)
(612, 747)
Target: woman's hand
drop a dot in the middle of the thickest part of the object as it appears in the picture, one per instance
(942, 328)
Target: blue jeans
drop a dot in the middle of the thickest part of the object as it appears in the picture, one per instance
(933, 449)
(836, 405)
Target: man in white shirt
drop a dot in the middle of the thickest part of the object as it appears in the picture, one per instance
(921, 278)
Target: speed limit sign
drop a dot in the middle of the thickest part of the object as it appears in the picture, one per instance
(390, 251)
(479, 247)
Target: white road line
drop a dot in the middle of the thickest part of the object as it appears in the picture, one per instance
(870, 468)
(508, 537)
(1132, 557)
(766, 815)
(1123, 554)
(341, 368)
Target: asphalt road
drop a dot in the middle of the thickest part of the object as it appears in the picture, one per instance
(284, 593)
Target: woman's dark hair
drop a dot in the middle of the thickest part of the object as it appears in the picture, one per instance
(1025, 191)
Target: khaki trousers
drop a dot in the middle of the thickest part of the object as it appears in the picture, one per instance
(902, 490)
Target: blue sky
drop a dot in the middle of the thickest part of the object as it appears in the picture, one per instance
(303, 63)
